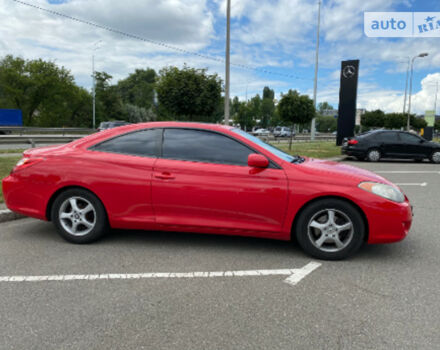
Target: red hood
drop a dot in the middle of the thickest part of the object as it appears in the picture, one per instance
(337, 172)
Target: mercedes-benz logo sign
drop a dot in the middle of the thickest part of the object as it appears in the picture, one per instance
(349, 72)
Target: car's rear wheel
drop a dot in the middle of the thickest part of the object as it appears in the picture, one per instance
(373, 155)
(79, 216)
(435, 157)
(330, 229)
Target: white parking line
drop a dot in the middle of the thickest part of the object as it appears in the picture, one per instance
(406, 171)
(295, 275)
(422, 184)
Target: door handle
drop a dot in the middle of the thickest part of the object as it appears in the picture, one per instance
(164, 176)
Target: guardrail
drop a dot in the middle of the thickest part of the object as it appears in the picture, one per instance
(20, 130)
(34, 139)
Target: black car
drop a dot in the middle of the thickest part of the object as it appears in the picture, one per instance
(374, 145)
(112, 124)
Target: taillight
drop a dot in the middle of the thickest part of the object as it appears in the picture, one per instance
(353, 142)
(25, 163)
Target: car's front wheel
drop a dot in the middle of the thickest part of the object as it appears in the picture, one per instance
(330, 229)
(435, 157)
(79, 216)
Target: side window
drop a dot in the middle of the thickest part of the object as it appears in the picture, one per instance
(203, 146)
(408, 138)
(139, 143)
(387, 137)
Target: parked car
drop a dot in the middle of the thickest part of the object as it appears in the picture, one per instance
(282, 131)
(204, 178)
(262, 132)
(111, 124)
(378, 144)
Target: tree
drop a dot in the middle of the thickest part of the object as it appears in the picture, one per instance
(267, 106)
(323, 106)
(373, 119)
(244, 116)
(437, 124)
(417, 123)
(395, 120)
(138, 88)
(109, 104)
(326, 124)
(188, 93)
(45, 93)
(296, 109)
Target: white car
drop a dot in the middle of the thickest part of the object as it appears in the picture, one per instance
(282, 131)
(261, 132)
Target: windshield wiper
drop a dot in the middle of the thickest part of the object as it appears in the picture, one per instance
(297, 159)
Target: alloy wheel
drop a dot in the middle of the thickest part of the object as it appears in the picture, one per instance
(77, 216)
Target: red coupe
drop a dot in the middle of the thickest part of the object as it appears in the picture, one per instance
(205, 178)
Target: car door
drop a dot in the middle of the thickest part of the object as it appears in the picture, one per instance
(413, 145)
(388, 143)
(123, 168)
(202, 180)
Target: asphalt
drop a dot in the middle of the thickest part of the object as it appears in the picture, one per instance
(385, 297)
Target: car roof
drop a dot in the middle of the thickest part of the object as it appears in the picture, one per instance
(108, 133)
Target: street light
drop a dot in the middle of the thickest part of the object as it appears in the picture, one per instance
(315, 84)
(410, 86)
(228, 55)
(406, 84)
(95, 47)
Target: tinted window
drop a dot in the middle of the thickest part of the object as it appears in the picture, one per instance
(408, 138)
(386, 137)
(203, 146)
(139, 143)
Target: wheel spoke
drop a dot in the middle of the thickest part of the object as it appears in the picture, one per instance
(321, 240)
(318, 225)
(344, 227)
(87, 209)
(331, 217)
(87, 223)
(74, 227)
(338, 242)
(65, 216)
(74, 204)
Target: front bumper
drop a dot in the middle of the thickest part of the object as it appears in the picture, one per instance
(389, 221)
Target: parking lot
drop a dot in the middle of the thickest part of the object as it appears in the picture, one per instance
(385, 297)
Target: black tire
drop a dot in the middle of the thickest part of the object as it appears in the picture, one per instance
(352, 239)
(373, 155)
(97, 215)
(435, 157)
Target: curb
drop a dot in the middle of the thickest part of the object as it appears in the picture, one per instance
(7, 215)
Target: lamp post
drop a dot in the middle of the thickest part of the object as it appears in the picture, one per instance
(227, 68)
(95, 46)
(410, 86)
(315, 84)
(406, 84)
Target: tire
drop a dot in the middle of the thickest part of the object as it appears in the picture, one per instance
(373, 155)
(79, 216)
(330, 239)
(435, 157)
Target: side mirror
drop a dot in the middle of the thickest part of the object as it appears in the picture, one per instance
(257, 161)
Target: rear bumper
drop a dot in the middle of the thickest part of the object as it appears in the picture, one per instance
(20, 197)
(389, 222)
(352, 152)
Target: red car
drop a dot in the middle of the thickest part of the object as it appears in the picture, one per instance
(204, 178)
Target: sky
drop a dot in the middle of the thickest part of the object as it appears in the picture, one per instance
(272, 44)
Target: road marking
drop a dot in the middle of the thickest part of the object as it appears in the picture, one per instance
(422, 184)
(406, 171)
(295, 275)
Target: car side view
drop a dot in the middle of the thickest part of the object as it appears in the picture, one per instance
(205, 178)
(378, 144)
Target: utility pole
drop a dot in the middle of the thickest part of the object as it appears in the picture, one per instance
(406, 85)
(93, 88)
(315, 85)
(435, 100)
(228, 51)
(410, 88)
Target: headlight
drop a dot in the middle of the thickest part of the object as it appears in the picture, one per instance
(383, 190)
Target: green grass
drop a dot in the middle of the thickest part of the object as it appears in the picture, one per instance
(18, 150)
(320, 149)
(6, 165)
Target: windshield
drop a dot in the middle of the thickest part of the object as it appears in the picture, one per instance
(275, 151)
